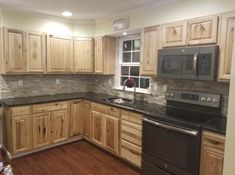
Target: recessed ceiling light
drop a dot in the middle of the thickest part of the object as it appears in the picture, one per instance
(124, 33)
(67, 14)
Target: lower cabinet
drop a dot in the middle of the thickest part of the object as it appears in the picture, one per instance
(98, 128)
(212, 154)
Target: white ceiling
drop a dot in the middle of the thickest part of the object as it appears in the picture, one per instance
(81, 9)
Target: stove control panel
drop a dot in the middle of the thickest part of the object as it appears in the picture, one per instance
(204, 99)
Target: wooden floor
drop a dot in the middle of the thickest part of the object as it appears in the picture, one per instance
(79, 158)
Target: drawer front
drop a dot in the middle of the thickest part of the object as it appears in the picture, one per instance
(50, 107)
(131, 132)
(18, 111)
(131, 152)
(105, 109)
(214, 140)
(131, 117)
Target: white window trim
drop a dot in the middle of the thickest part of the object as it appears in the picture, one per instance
(119, 63)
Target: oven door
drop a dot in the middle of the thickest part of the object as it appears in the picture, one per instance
(173, 149)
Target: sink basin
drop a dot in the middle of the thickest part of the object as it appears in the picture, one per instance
(117, 100)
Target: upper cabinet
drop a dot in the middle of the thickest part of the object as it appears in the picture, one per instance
(59, 54)
(105, 55)
(83, 55)
(174, 34)
(14, 51)
(226, 43)
(150, 46)
(203, 30)
(36, 50)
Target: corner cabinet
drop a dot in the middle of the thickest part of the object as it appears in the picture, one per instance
(105, 55)
(83, 55)
(227, 36)
(212, 153)
(59, 54)
(150, 46)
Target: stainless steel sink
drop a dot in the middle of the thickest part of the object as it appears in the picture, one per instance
(118, 100)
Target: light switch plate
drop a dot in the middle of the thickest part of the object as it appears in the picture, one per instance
(21, 83)
(57, 81)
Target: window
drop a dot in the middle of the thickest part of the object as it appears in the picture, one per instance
(129, 64)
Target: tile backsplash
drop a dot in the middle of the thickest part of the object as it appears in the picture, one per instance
(34, 85)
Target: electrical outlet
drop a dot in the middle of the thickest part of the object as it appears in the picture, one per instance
(57, 81)
(21, 83)
(110, 82)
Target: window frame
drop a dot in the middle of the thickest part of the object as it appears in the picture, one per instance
(120, 64)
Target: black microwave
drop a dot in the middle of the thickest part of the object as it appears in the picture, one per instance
(195, 63)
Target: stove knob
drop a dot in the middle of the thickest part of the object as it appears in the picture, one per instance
(214, 100)
(172, 95)
(203, 98)
(209, 99)
(167, 94)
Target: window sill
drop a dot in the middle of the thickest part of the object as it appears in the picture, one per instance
(138, 90)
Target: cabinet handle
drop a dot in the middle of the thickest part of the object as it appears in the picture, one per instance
(214, 142)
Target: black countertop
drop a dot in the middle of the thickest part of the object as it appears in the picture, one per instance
(151, 110)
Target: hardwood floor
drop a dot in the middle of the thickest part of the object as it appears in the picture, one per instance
(79, 158)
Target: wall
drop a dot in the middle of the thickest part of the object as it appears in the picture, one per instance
(168, 12)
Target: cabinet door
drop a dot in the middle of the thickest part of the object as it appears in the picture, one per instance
(83, 55)
(41, 130)
(112, 133)
(21, 133)
(59, 54)
(203, 30)
(99, 55)
(35, 52)
(59, 126)
(226, 45)
(212, 161)
(87, 118)
(98, 128)
(14, 51)
(174, 34)
(150, 41)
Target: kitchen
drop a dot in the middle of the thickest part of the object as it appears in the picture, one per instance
(53, 97)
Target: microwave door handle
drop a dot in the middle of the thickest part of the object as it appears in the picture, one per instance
(172, 128)
(195, 64)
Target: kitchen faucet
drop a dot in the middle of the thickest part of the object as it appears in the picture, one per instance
(130, 83)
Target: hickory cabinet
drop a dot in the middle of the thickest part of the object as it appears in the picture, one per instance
(83, 55)
(131, 137)
(105, 55)
(18, 127)
(227, 37)
(59, 54)
(105, 127)
(80, 120)
(212, 153)
(23, 52)
(150, 46)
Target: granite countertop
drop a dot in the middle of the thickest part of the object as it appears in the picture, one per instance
(217, 125)
(148, 109)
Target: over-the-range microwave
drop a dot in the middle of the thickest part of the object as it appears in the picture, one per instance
(195, 63)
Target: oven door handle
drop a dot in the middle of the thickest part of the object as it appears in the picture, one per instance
(195, 64)
(172, 128)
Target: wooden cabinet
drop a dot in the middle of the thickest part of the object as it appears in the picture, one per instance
(174, 34)
(83, 55)
(227, 30)
(36, 50)
(14, 51)
(41, 130)
(105, 55)
(150, 46)
(131, 137)
(203, 30)
(80, 118)
(18, 126)
(212, 154)
(59, 54)
(105, 126)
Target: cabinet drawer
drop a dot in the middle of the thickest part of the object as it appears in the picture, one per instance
(22, 110)
(214, 140)
(131, 152)
(131, 117)
(105, 109)
(131, 132)
(50, 107)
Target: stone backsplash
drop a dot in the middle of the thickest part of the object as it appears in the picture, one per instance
(34, 85)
